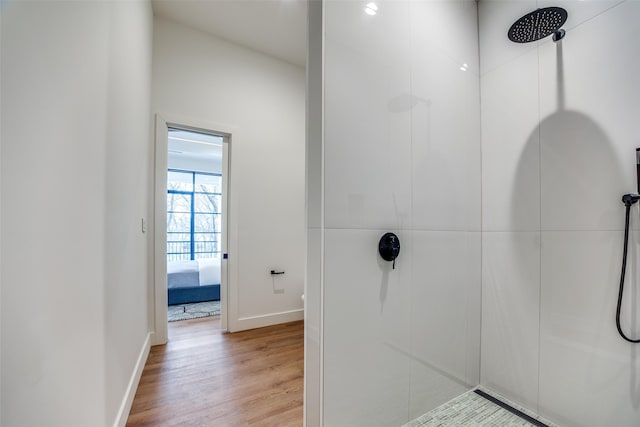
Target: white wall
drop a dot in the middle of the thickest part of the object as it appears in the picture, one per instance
(129, 124)
(73, 191)
(1, 134)
(53, 180)
(401, 153)
(202, 78)
(559, 128)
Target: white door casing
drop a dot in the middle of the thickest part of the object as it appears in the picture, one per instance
(228, 292)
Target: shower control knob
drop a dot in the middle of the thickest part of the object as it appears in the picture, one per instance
(389, 247)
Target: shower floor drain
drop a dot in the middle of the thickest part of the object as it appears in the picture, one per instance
(478, 408)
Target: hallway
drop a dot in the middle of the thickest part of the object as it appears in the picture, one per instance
(204, 377)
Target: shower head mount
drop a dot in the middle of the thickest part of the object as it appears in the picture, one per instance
(539, 24)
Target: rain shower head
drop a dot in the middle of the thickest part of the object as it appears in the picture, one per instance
(539, 24)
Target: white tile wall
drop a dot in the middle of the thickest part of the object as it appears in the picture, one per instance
(445, 120)
(585, 98)
(588, 374)
(402, 154)
(588, 146)
(581, 179)
(445, 314)
(367, 172)
(446, 144)
(510, 146)
(366, 331)
(430, 388)
(445, 317)
(313, 329)
(510, 310)
(496, 17)
(450, 27)
(399, 157)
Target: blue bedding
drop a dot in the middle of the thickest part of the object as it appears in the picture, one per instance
(182, 274)
(193, 281)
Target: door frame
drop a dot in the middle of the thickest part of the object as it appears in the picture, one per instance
(228, 292)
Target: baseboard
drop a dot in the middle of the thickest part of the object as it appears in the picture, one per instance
(253, 322)
(127, 401)
(156, 339)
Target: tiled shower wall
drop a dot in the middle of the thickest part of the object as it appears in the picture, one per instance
(401, 154)
(560, 124)
(521, 234)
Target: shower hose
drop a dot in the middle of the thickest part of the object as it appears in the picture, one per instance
(627, 204)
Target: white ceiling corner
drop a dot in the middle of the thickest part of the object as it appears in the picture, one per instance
(274, 27)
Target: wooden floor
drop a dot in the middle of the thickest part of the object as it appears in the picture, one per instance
(203, 377)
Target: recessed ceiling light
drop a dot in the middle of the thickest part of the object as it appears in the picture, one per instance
(371, 9)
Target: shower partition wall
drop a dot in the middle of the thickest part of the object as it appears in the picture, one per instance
(400, 152)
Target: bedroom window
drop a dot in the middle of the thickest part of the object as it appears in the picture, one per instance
(194, 201)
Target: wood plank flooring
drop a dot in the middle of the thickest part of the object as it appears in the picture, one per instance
(204, 377)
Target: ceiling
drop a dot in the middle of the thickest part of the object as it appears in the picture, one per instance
(187, 144)
(275, 27)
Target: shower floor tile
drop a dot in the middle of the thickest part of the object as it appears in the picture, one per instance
(471, 409)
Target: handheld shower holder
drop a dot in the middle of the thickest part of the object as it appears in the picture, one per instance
(630, 199)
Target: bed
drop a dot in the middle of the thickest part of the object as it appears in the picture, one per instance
(193, 281)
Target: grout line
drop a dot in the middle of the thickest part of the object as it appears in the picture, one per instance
(404, 230)
(539, 233)
(480, 139)
(427, 230)
(411, 241)
(579, 230)
(321, 344)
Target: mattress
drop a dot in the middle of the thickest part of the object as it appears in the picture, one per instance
(209, 271)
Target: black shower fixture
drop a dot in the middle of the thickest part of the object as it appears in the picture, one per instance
(539, 24)
(628, 200)
(389, 247)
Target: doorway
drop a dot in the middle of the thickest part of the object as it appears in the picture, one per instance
(191, 223)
